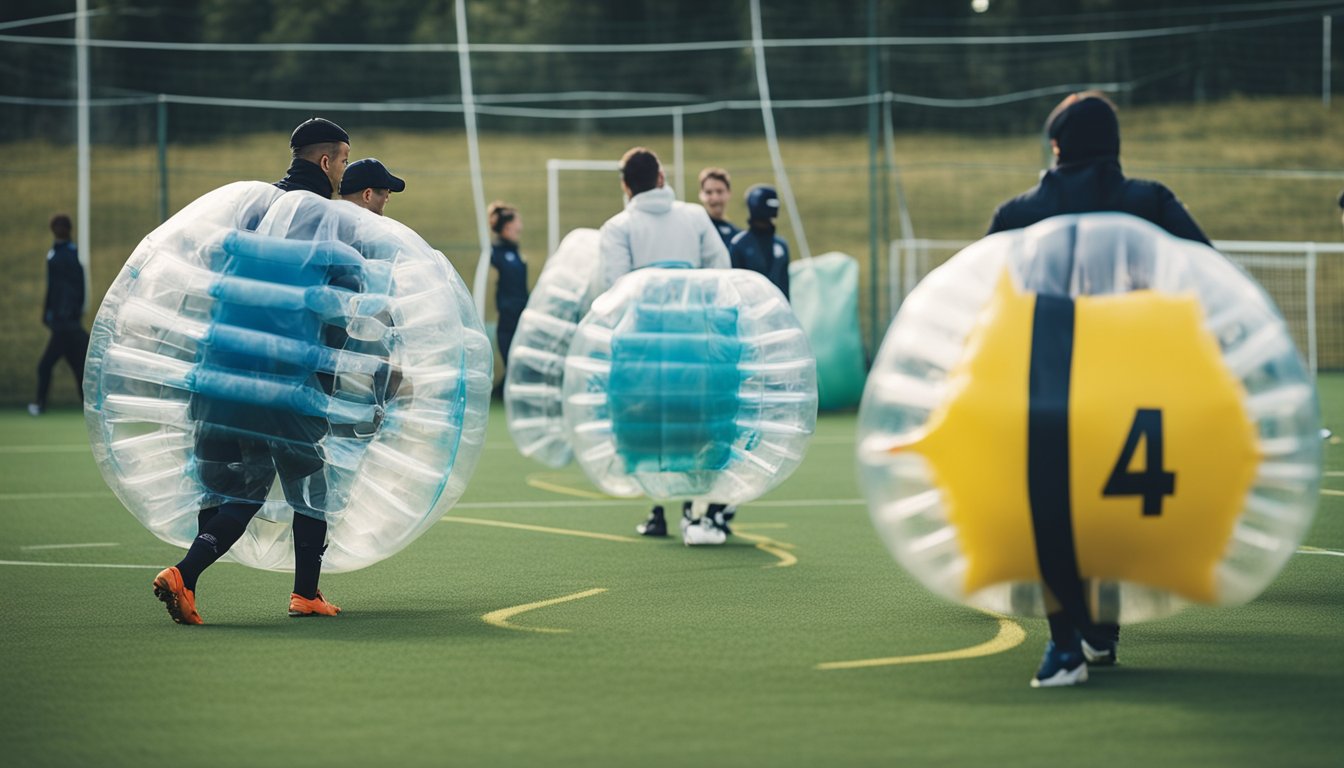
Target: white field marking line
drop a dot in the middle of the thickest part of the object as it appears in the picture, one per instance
(76, 448)
(32, 547)
(50, 496)
(1333, 473)
(1331, 492)
(1010, 635)
(1306, 550)
(501, 617)
(542, 529)
(81, 565)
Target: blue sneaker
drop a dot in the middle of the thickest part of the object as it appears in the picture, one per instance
(1059, 668)
(1102, 654)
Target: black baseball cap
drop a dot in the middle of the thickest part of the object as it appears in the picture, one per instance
(317, 130)
(369, 174)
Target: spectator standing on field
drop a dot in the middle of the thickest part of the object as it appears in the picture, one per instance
(511, 289)
(716, 187)
(759, 249)
(62, 313)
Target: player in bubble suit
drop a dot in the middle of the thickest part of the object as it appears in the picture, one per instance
(320, 151)
(1084, 135)
(656, 229)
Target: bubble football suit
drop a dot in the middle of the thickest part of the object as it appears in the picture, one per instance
(266, 345)
(1090, 402)
(535, 377)
(691, 384)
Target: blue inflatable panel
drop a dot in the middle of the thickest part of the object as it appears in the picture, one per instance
(690, 384)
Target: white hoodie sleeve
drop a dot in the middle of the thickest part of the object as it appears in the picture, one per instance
(613, 253)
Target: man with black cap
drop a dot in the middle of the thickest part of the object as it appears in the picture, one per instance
(368, 184)
(1085, 136)
(320, 151)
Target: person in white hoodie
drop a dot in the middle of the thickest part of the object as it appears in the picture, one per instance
(656, 229)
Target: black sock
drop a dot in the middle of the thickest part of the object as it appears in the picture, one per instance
(223, 531)
(1062, 632)
(1103, 634)
(310, 542)
(204, 517)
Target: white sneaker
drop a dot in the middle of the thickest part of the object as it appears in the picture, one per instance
(34, 409)
(701, 532)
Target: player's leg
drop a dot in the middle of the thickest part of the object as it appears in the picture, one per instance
(1063, 663)
(44, 367)
(176, 586)
(75, 347)
(303, 479)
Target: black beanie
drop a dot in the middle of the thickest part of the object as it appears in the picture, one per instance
(317, 130)
(1086, 128)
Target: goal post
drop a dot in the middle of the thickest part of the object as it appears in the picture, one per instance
(553, 168)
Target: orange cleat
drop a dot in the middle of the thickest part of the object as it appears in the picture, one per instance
(180, 601)
(302, 606)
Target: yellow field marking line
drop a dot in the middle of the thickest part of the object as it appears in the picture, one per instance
(535, 480)
(501, 617)
(773, 547)
(541, 529)
(1306, 550)
(1010, 636)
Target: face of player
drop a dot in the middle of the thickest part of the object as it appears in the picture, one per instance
(513, 230)
(714, 196)
(375, 199)
(334, 166)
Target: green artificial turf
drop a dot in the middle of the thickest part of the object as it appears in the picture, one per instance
(701, 656)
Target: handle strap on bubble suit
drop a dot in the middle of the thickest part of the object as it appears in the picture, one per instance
(1048, 455)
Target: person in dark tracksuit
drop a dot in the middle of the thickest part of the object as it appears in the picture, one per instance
(241, 451)
(758, 248)
(1084, 135)
(716, 187)
(61, 313)
(511, 290)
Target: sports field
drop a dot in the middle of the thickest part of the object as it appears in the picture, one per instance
(532, 627)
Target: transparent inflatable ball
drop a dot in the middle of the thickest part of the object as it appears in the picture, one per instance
(1090, 396)
(690, 384)
(290, 351)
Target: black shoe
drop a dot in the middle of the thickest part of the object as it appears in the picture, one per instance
(722, 514)
(656, 525)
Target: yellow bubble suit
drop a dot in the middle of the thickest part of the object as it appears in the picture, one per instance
(1097, 401)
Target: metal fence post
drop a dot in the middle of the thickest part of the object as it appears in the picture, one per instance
(163, 157)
